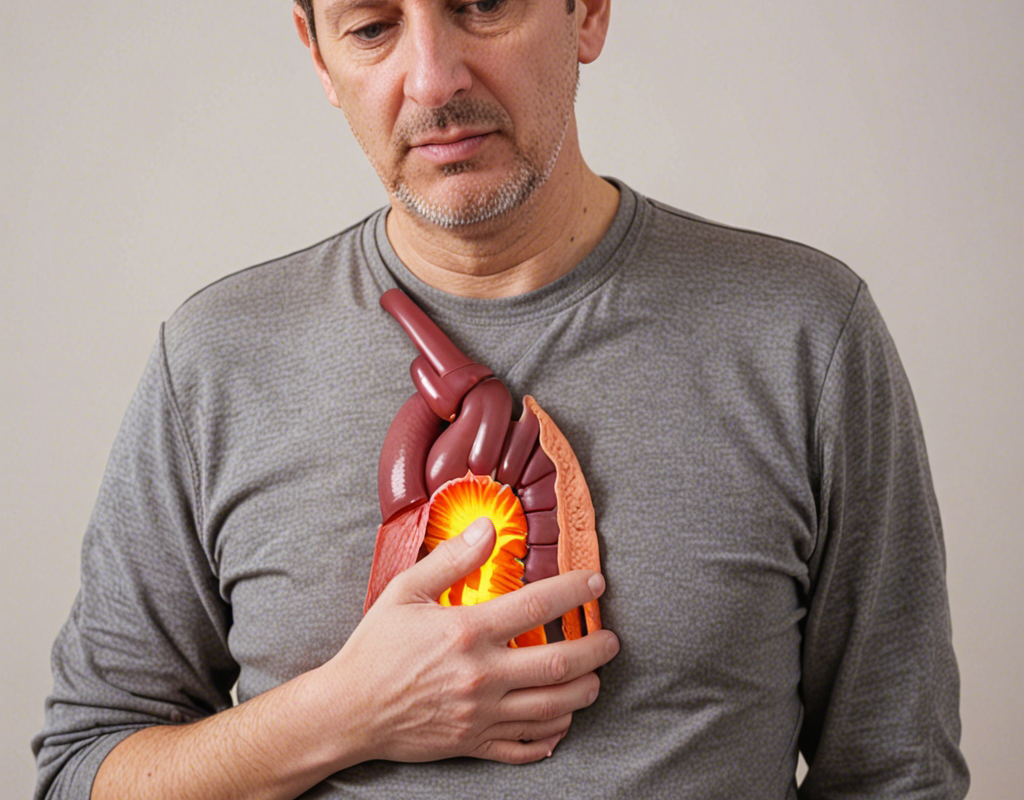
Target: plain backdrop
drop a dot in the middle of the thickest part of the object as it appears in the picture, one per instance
(150, 147)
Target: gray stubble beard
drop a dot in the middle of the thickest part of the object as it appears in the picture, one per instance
(482, 206)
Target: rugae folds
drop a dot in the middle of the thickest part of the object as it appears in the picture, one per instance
(453, 454)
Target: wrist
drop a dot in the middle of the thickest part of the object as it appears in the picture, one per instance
(339, 732)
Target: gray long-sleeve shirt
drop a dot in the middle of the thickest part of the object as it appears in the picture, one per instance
(769, 535)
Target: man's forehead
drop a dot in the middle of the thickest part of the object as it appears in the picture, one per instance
(335, 8)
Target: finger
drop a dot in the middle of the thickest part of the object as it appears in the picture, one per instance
(559, 662)
(549, 702)
(515, 752)
(528, 730)
(446, 564)
(540, 602)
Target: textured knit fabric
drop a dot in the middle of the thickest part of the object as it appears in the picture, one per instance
(769, 535)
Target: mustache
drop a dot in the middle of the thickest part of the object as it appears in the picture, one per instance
(457, 112)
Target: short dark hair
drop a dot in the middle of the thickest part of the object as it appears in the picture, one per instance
(307, 9)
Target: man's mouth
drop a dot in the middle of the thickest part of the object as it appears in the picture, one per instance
(446, 147)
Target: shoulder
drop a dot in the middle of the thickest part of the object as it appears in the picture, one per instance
(257, 330)
(270, 303)
(740, 290)
(266, 292)
(750, 269)
(746, 307)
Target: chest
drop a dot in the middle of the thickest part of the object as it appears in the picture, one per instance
(705, 511)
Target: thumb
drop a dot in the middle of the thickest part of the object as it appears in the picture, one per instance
(447, 563)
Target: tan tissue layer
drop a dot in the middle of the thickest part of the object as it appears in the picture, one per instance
(577, 537)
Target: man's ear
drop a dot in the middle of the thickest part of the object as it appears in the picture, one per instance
(592, 16)
(302, 26)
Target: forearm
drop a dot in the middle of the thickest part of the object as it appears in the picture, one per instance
(273, 747)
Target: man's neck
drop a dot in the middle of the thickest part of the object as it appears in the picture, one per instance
(524, 250)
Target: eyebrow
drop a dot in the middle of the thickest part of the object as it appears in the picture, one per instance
(337, 9)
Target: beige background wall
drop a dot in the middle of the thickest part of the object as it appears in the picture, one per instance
(150, 147)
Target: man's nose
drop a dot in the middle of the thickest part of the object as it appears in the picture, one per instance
(435, 69)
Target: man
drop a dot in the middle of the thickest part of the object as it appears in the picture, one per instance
(770, 539)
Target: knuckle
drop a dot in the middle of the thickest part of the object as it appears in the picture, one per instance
(459, 634)
(462, 720)
(459, 729)
(536, 609)
(475, 683)
(546, 709)
(469, 684)
(557, 667)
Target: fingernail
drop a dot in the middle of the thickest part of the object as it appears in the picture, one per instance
(475, 532)
(596, 584)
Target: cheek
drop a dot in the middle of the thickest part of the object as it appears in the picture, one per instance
(371, 108)
(545, 90)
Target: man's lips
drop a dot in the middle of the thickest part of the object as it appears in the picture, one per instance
(449, 148)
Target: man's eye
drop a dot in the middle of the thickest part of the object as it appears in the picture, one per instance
(484, 6)
(370, 32)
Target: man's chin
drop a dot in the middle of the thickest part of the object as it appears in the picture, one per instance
(464, 201)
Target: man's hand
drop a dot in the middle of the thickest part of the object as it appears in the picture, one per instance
(438, 682)
(414, 682)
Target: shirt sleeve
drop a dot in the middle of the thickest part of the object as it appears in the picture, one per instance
(146, 640)
(880, 685)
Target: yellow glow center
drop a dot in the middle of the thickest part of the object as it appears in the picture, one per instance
(460, 502)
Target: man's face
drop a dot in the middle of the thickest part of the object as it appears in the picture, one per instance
(461, 107)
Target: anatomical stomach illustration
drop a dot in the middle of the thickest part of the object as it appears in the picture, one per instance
(453, 454)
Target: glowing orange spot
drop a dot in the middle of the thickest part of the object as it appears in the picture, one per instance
(458, 503)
